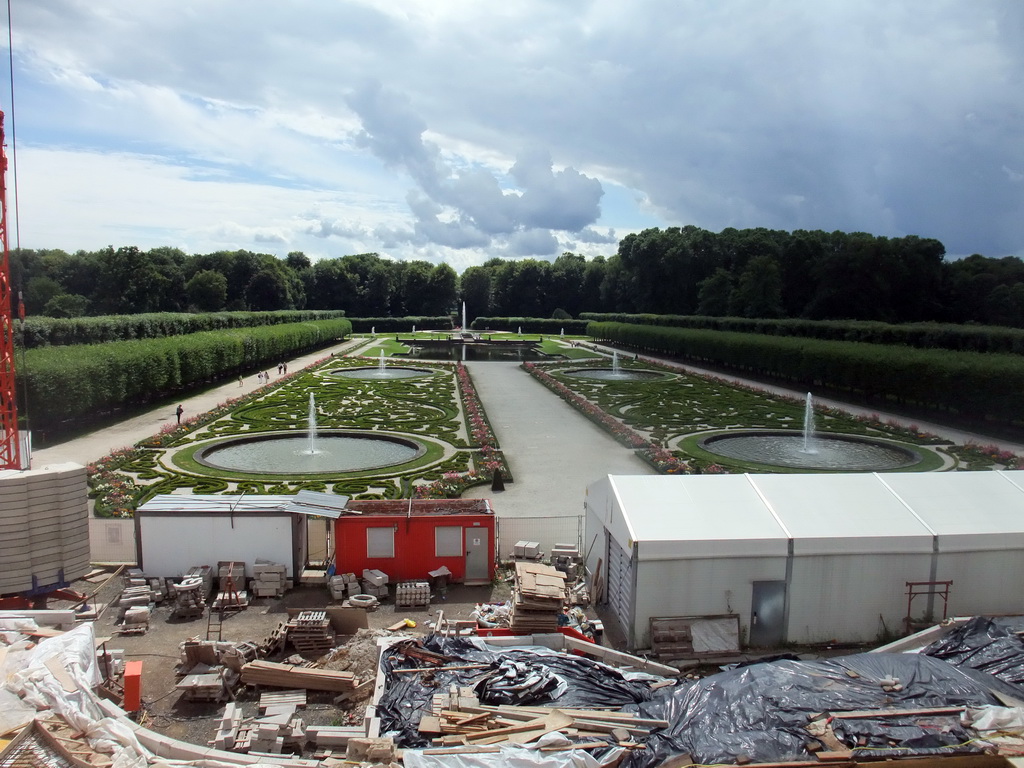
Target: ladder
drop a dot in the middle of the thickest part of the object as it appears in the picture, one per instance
(227, 601)
(214, 622)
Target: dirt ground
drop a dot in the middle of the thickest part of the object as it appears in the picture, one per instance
(167, 711)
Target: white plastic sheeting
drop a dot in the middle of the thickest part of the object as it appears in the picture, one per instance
(515, 757)
(29, 677)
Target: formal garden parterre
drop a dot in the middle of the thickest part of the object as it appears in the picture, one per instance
(665, 418)
(662, 419)
(439, 411)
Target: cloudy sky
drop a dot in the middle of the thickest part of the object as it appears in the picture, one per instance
(459, 130)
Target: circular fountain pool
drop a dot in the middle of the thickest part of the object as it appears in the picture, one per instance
(614, 374)
(829, 452)
(389, 372)
(290, 453)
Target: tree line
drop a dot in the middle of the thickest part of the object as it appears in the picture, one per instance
(679, 270)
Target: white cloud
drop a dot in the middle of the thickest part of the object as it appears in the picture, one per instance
(513, 119)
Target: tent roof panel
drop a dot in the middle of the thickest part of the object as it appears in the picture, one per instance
(964, 503)
(815, 508)
(703, 508)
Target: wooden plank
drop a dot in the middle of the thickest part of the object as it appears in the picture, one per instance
(461, 750)
(618, 658)
(443, 669)
(910, 712)
(539, 726)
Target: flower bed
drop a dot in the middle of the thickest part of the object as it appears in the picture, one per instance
(658, 457)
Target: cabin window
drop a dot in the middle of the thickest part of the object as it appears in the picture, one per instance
(448, 541)
(380, 542)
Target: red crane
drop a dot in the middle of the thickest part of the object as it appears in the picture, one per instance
(10, 444)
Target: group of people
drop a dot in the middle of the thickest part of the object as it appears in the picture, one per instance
(263, 376)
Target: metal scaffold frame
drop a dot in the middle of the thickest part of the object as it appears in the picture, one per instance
(10, 444)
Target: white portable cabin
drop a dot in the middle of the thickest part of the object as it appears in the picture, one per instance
(805, 558)
(175, 532)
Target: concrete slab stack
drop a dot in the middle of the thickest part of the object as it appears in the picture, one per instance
(44, 527)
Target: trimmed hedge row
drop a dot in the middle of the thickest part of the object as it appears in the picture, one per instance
(80, 382)
(401, 324)
(962, 338)
(530, 325)
(59, 331)
(978, 386)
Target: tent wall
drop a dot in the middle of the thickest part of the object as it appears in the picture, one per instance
(699, 587)
(835, 596)
(171, 544)
(981, 583)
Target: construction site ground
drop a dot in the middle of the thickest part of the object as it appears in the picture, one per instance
(167, 711)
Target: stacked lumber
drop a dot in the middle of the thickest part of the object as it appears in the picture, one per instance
(457, 718)
(291, 676)
(310, 632)
(538, 596)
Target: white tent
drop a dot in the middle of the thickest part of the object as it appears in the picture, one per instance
(805, 557)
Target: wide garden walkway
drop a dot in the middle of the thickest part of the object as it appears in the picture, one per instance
(554, 451)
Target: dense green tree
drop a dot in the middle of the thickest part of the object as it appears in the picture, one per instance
(414, 288)
(67, 305)
(758, 291)
(38, 292)
(268, 290)
(714, 294)
(298, 261)
(564, 290)
(207, 291)
(590, 288)
(442, 290)
(475, 290)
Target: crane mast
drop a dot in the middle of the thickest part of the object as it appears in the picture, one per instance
(10, 444)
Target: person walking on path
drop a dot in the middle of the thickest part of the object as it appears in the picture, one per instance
(178, 411)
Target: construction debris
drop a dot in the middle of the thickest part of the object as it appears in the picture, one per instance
(292, 676)
(539, 595)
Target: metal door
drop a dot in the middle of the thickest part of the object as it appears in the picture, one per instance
(476, 554)
(768, 614)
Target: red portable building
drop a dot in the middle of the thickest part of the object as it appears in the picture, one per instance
(408, 538)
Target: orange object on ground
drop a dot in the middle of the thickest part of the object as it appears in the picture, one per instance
(132, 686)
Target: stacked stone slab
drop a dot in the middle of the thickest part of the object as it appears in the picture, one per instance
(375, 583)
(337, 586)
(44, 527)
(269, 579)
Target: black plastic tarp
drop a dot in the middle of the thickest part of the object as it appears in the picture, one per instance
(987, 645)
(761, 711)
(407, 696)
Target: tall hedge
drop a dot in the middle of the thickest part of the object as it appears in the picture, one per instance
(59, 331)
(530, 325)
(971, 384)
(401, 324)
(963, 338)
(78, 382)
